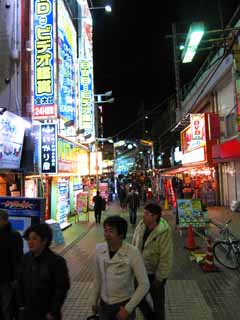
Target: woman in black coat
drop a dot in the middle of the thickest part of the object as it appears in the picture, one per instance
(44, 280)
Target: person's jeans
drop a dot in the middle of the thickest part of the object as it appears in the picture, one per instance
(109, 311)
(133, 215)
(6, 296)
(157, 293)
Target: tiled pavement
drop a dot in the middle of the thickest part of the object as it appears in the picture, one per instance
(190, 293)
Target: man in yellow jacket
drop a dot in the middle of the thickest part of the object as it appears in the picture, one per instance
(153, 238)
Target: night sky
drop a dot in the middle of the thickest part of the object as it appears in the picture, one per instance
(133, 57)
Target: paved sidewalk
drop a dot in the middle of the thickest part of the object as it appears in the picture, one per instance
(190, 293)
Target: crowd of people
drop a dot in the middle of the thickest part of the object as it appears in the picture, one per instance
(35, 285)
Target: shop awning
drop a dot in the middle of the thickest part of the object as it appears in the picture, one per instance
(181, 169)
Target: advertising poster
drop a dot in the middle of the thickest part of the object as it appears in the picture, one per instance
(82, 202)
(20, 224)
(11, 140)
(67, 60)
(63, 203)
(43, 59)
(103, 189)
(189, 212)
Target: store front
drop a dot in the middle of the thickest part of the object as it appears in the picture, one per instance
(227, 156)
(196, 177)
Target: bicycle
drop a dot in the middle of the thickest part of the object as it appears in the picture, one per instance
(227, 249)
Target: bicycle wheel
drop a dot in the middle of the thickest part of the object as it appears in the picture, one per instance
(224, 253)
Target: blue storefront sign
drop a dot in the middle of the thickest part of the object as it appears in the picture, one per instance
(48, 148)
(67, 56)
(24, 207)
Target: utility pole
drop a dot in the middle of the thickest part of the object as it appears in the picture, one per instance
(176, 68)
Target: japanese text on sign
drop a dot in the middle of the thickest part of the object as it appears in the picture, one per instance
(43, 58)
(86, 97)
(48, 148)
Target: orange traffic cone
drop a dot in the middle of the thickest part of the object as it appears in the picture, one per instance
(191, 245)
(208, 262)
(166, 206)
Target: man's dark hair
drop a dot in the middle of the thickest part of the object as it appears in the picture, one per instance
(117, 223)
(154, 208)
(43, 230)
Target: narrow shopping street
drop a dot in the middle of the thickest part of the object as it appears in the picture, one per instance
(191, 293)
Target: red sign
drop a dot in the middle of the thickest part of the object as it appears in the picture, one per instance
(214, 126)
(227, 150)
(44, 112)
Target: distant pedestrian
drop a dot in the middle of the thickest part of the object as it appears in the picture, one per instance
(44, 280)
(98, 206)
(133, 204)
(122, 197)
(153, 238)
(11, 252)
(118, 263)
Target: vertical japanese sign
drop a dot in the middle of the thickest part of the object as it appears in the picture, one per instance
(48, 147)
(86, 98)
(43, 59)
(86, 94)
(236, 76)
(67, 60)
(197, 126)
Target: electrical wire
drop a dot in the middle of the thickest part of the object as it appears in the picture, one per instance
(142, 117)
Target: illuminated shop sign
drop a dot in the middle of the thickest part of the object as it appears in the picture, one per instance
(11, 140)
(197, 126)
(43, 59)
(68, 156)
(86, 98)
(196, 130)
(194, 156)
(67, 56)
(48, 147)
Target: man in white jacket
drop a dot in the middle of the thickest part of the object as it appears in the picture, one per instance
(117, 265)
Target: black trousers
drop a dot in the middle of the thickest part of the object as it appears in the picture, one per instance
(109, 311)
(98, 214)
(157, 293)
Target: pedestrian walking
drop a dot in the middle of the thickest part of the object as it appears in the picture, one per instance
(11, 252)
(133, 204)
(98, 206)
(44, 280)
(122, 197)
(153, 238)
(118, 263)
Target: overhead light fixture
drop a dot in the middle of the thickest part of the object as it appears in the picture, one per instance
(194, 36)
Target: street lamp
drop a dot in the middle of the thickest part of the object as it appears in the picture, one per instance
(99, 97)
(107, 8)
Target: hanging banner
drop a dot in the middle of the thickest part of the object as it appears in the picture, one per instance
(48, 148)
(86, 99)
(67, 61)
(43, 59)
(236, 77)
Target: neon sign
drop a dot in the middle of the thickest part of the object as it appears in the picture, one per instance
(43, 59)
(86, 98)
